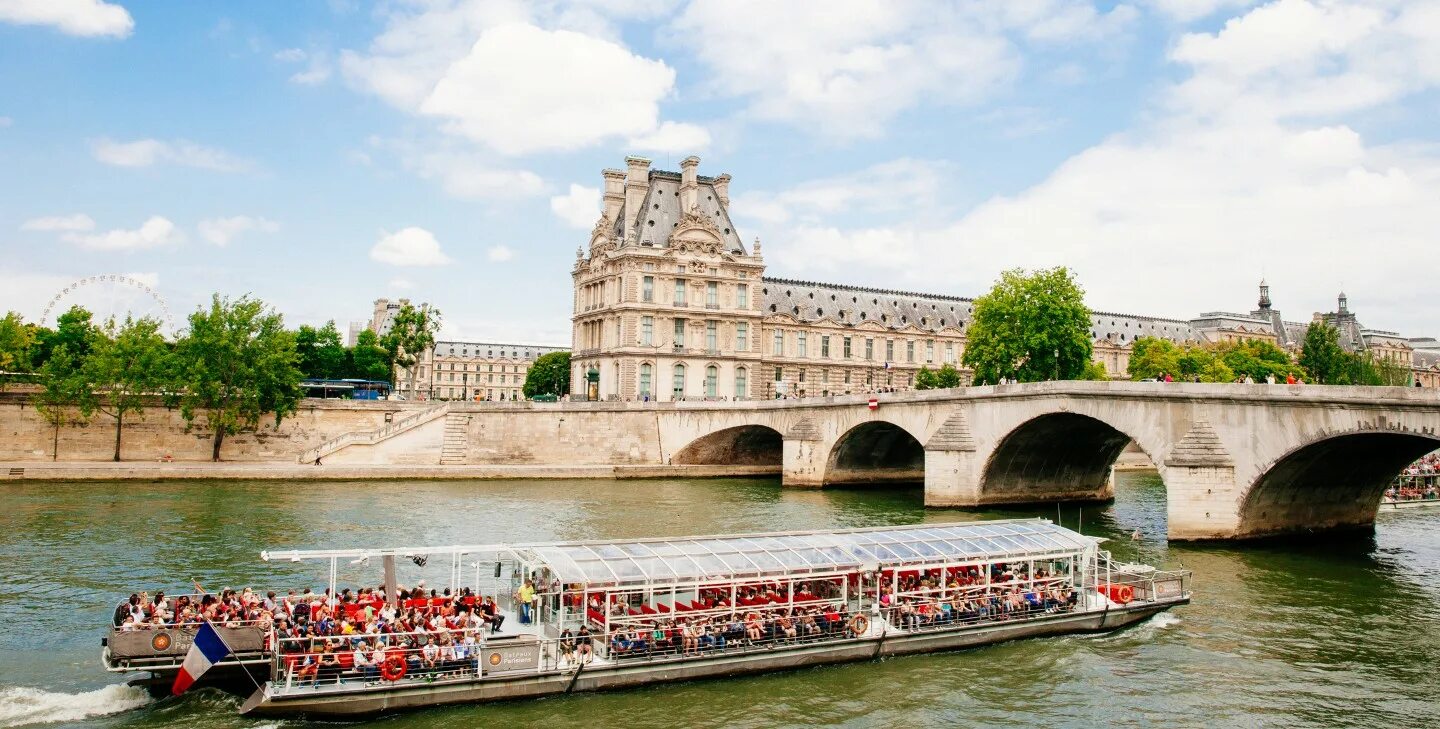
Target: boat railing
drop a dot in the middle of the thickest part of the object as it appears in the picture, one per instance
(1126, 583)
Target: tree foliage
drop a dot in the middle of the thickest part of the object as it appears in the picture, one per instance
(1030, 327)
(1322, 356)
(1095, 371)
(412, 332)
(926, 379)
(236, 364)
(368, 360)
(549, 374)
(17, 339)
(126, 364)
(322, 353)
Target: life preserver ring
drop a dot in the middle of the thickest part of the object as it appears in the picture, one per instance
(393, 669)
(858, 625)
(1124, 594)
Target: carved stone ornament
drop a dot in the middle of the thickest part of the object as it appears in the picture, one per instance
(695, 220)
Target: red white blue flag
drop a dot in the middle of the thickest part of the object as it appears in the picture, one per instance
(207, 650)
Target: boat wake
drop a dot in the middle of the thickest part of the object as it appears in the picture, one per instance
(22, 705)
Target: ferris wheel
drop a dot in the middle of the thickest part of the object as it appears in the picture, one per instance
(111, 296)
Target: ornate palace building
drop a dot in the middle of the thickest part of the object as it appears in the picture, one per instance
(671, 304)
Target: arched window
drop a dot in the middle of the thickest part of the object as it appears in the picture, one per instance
(645, 373)
(742, 383)
(712, 377)
(679, 388)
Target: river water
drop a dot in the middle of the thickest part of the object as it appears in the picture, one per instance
(1343, 632)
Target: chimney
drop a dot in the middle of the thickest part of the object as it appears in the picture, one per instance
(614, 192)
(637, 185)
(722, 189)
(689, 186)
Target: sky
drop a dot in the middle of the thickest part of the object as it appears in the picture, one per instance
(321, 154)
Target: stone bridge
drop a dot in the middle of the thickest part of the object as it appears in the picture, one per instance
(1237, 460)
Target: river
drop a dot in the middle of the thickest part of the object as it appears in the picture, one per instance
(1340, 632)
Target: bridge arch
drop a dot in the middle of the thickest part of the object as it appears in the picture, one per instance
(1056, 456)
(1333, 481)
(876, 451)
(741, 445)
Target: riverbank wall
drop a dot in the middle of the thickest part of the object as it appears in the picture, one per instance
(492, 440)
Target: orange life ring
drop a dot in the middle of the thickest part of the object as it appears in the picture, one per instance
(858, 625)
(1124, 594)
(393, 669)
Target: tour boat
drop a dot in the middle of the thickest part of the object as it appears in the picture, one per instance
(1390, 502)
(676, 609)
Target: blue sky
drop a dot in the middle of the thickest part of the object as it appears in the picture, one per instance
(310, 153)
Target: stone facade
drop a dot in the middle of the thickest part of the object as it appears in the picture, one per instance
(670, 305)
(455, 370)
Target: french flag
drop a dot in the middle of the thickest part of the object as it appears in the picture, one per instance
(207, 650)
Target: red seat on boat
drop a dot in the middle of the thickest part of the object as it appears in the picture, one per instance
(346, 659)
(664, 608)
(646, 609)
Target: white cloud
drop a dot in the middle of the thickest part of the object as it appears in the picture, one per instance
(1188, 10)
(60, 223)
(517, 77)
(902, 184)
(522, 89)
(672, 137)
(86, 18)
(849, 70)
(1243, 169)
(499, 254)
(409, 247)
(578, 208)
(316, 72)
(221, 231)
(153, 233)
(150, 152)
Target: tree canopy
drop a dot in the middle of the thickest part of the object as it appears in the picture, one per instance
(412, 332)
(236, 364)
(16, 341)
(946, 376)
(322, 353)
(127, 364)
(1322, 356)
(1030, 327)
(549, 374)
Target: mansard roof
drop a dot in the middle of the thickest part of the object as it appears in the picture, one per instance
(660, 213)
(810, 301)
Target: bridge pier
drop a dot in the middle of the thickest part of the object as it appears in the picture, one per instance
(803, 456)
(952, 467)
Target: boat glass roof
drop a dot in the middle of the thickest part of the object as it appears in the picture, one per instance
(686, 559)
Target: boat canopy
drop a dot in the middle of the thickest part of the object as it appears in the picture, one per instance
(692, 559)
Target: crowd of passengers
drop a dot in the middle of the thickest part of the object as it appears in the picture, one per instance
(324, 636)
(935, 598)
(1420, 480)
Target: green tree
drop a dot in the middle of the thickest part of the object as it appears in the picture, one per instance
(1030, 327)
(73, 329)
(1095, 371)
(1258, 359)
(1322, 356)
(947, 376)
(1152, 358)
(16, 340)
(62, 385)
(412, 332)
(126, 364)
(926, 379)
(549, 375)
(236, 364)
(322, 355)
(369, 360)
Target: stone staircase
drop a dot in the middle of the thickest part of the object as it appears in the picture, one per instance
(371, 437)
(457, 439)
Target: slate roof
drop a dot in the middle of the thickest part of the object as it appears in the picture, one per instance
(660, 213)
